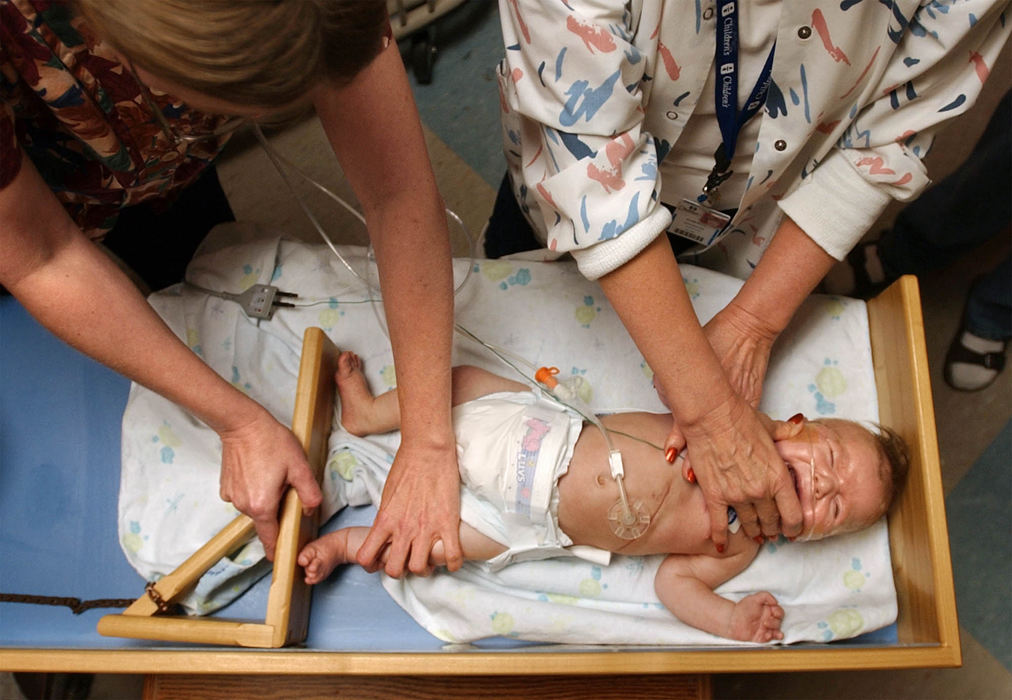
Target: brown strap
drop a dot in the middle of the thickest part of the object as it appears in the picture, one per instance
(76, 605)
(156, 597)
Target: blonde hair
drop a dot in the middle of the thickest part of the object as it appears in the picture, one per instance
(264, 53)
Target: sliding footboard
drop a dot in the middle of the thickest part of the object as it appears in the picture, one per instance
(287, 616)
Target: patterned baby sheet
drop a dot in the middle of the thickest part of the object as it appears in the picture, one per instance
(169, 503)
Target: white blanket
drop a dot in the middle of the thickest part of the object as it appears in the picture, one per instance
(547, 313)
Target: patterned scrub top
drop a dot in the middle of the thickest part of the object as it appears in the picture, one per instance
(69, 104)
(595, 94)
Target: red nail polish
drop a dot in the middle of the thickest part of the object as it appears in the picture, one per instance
(720, 549)
(669, 455)
(691, 476)
(797, 418)
(758, 539)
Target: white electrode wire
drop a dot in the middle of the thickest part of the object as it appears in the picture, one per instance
(278, 160)
(509, 358)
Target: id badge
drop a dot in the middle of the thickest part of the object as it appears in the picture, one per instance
(696, 222)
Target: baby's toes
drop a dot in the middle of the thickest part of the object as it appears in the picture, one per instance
(305, 556)
(346, 363)
(313, 572)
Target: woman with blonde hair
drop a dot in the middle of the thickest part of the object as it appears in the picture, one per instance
(111, 115)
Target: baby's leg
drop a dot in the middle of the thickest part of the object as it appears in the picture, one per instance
(471, 382)
(476, 546)
(362, 413)
(323, 554)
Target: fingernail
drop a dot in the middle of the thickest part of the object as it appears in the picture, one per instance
(691, 476)
(669, 454)
(791, 539)
(758, 538)
(720, 549)
(797, 418)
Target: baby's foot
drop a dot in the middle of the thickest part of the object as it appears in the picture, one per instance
(322, 555)
(356, 399)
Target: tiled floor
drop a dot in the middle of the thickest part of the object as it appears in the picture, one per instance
(460, 112)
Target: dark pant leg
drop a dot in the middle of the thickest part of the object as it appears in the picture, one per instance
(508, 230)
(989, 308)
(158, 244)
(964, 210)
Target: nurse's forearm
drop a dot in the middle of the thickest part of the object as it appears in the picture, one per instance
(417, 281)
(787, 273)
(649, 296)
(72, 288)
(83, 298)
(378, 139)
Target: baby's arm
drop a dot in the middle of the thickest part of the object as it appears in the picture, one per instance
(685, 584)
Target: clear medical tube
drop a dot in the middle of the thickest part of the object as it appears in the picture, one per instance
(809, 514)
(627, 520)
(277, 160)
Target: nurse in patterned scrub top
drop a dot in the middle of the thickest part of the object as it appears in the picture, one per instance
(111, 112)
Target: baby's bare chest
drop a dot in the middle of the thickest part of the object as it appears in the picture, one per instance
(678, 520)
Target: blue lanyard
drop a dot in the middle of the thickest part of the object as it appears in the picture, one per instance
(729, 118)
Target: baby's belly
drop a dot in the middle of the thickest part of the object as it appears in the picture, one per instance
(678, 521)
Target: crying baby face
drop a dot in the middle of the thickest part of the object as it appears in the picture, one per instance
(840, 475)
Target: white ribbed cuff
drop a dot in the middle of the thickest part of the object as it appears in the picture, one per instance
(604, 257)
(835, 206)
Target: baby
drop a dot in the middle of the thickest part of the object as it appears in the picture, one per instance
(544, 488)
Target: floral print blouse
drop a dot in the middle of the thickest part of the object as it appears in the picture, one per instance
(77, 113)
(597, 94)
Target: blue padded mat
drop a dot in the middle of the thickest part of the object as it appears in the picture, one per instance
(60, 416)
(59, 475)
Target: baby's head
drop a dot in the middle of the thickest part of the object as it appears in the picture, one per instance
(846, 475)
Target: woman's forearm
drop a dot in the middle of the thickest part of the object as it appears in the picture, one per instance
(787, 273)
(77, 292)
(649, 296)
(417, 281)
(379, 141)
(100, 313)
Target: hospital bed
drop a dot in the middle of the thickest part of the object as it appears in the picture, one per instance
(59, 452)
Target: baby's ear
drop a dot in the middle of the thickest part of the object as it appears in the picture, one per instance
(783, 429)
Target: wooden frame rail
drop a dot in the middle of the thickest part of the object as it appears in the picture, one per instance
(286, 620)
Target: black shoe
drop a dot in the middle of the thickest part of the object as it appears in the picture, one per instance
(966, 369)
(864, 287)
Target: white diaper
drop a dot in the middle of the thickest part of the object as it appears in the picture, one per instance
(512, 447)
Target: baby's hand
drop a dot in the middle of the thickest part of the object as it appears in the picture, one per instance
(756, 618)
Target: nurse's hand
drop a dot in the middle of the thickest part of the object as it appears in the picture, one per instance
(259, 461)
(420, 506)
(742, 343)
(735, 463)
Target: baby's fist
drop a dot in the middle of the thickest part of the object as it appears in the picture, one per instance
(757, 618)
